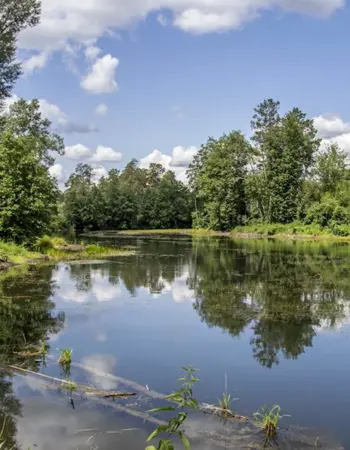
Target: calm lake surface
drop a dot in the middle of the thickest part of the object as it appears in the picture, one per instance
(267, 321)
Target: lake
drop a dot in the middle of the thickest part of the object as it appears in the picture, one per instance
(266, 321)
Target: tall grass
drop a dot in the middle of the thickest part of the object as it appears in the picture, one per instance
(65, 357)
(267, 420)
(16, 253)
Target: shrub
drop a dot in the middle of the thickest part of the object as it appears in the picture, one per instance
(322, 213)
(340, 229)
(43, 244)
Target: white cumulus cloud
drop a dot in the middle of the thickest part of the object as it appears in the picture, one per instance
(57, 172)
(92, 52)
(105, 154)
(178, 161)
(155, 157)
(62, 121)
(98, 173)
(35, 62)
(183, 156)
(343, 140)
(333, 129)
(77, 151)
(101, 109)
(330, 126)
(84, 22)
(101, 78)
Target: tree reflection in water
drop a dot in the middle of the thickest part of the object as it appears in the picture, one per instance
(26, 320)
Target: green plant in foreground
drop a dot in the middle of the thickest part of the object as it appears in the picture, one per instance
(184, 399)
(225, 405)
(65, 357)
(267, 420)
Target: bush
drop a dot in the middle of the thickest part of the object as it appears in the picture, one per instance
(44, 244)
(341, 216)
(340, 229)
(322, 213)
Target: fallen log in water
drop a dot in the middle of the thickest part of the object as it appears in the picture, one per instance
(77, 386)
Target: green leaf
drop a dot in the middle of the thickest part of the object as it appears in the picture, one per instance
(150, 447)
(157, 431)
(165, 444)
(185, 441)
(163, 408)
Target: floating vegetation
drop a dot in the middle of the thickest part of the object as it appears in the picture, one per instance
(69, 386)
(65, 357)
(225, 403)
(267, 420)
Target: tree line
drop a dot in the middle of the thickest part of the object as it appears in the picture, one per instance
(282, 174)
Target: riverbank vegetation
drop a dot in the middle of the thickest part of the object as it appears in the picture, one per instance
(13, 254)
(284, 180)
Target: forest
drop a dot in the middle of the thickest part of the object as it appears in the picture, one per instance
(281, 174)
(284, 175)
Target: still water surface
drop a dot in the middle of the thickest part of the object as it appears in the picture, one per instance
(266, 320)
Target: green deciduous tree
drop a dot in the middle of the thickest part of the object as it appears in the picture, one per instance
(28, 194)
(15, 15)
(286, 147)
(217, 178)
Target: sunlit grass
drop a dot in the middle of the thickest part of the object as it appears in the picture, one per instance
(16, 253)
(69, 386)
(225, 405)
(267, 420)
(65, 357)
(88, 252)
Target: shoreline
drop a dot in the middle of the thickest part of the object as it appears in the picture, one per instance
(243, 235)
(19, 256)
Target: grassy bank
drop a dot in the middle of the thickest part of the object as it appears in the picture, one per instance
(256, 231)
(167, 232)
(293, 231)
(15, 254)
(53, 249)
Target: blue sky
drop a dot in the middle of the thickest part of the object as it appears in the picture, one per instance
(172, 72)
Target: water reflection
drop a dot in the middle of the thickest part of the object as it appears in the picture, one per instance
(284, 292)
(26, 321)
(280, 295)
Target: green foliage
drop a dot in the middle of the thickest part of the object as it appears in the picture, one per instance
(285, 149)
(69, 386)
(43, 244)
(28, 193)
(183, 397)
(65, 357)
(225, 403)
(326, 211)
(217, 177)
(330, 167)
(15, 16)
(16, 253)
(146, 198)
(267, 420)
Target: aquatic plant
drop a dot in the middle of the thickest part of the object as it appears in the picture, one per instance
(267, 420)
(69, 386)
(225, 405)
(44, 348)
(183, 397)
(65, 357)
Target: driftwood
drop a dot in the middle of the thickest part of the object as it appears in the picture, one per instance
(204, 407)
(86, 389)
